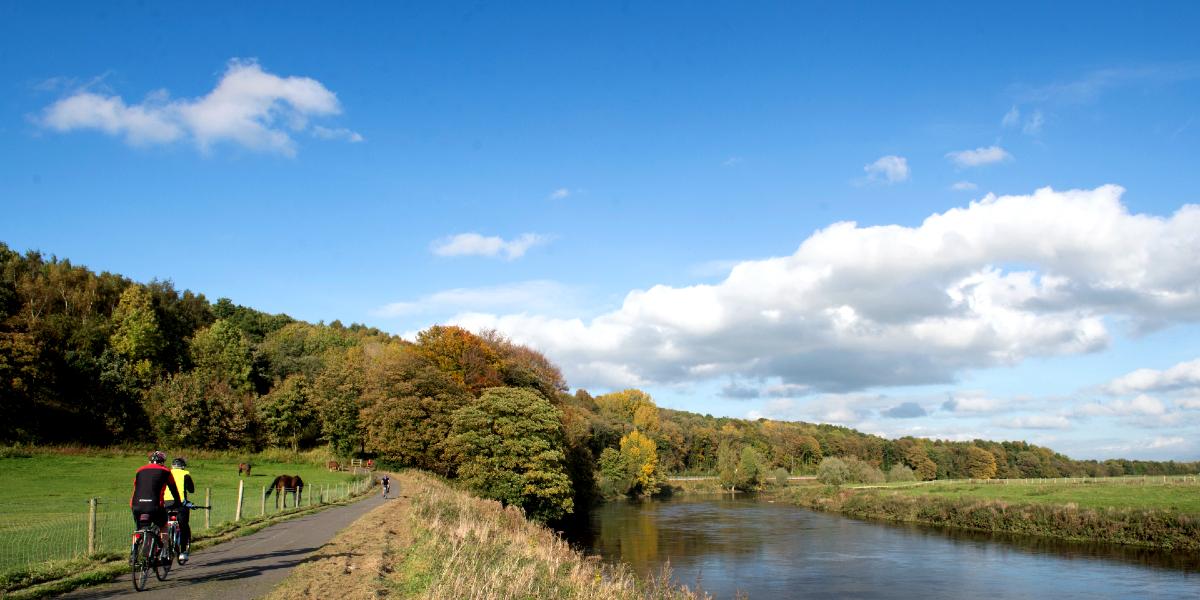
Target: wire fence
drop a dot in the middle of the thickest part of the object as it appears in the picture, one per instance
(101, 526)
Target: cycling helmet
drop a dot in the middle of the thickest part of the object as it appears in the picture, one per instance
(179, 462)
(157, 457)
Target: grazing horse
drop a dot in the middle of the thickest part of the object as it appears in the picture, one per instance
(285, 484)
(244, 467)
(333, 465)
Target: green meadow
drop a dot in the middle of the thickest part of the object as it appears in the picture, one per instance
(1176, 494)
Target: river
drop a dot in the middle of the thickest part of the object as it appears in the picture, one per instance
(775, 550)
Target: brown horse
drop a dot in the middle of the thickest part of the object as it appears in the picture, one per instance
(285, 484)
(244, 467)
(333, 465)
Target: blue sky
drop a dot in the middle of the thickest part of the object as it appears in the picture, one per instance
(635, 184)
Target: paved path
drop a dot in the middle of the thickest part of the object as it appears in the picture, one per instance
(246, 567)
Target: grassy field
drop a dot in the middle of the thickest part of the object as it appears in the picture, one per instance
(437, 543)
(1136, 512)
(1181, 497)
(45, 492)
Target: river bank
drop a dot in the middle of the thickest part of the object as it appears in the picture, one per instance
(435, 542)
(1155, 528)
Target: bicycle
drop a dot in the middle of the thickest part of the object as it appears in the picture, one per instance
(174, 533)
(145, 554)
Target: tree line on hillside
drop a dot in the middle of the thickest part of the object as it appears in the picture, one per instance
(99, 359)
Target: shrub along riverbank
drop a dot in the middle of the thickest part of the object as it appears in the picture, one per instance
(435, 542)
(1156, 528)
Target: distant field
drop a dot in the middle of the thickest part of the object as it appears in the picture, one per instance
(44, 508)
(1178, 495)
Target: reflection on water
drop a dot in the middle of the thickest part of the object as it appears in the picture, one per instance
(774, 550)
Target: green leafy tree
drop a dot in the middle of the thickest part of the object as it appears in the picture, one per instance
(901, 473)
(224, 351)
(614, 475)
(136, 336)
(750, 469)
(337, 392)
(197, 409)
(727, 465)
(287, 414)
(509, 444)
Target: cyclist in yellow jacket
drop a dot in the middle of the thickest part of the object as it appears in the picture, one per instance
(183, 482)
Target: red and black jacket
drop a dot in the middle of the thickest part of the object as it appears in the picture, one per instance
(149, 485)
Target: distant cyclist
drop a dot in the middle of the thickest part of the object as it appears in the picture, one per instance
(386, 481)
(183, 481)
(149, 485)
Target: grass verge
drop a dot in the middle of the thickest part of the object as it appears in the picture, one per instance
(1153, 528)
(435, 542)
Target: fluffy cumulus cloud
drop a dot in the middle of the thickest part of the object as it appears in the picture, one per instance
(888, 169)
(249, 107)
(978, 157)
(474, 244)
(992, 283)
(1183, 376)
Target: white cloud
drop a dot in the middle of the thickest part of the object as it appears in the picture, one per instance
(537, 295)
(1181, 376)
(560, 193)
(890, 169)
(474, 244)
(732, 161)
(1036, 422)
(856, 307)
(978, 157)
(1167, 442)
(1142, 405)
(964, 186)
(1033, 125)
(975, 402)
(340, 133)
(248, 107)
(1092, 85)
(1012, 117)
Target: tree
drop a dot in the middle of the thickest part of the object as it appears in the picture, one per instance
(727, 465)
(337, 391)
(286, 413)
(901, 473)
(508, 445)
(614, 475)
(223, 350)
(808, 450)
(462, 354)
(137, 337)
(750, 469)
(407, 408)
(981, 464)
(640, 457)
(199, 410)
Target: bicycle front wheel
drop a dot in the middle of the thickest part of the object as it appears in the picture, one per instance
(162, 559)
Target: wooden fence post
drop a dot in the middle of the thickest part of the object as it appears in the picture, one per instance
(262, 510)
(208, 503)
(237, 515)
(91, 526)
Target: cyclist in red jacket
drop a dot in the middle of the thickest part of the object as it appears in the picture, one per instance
(149, 485)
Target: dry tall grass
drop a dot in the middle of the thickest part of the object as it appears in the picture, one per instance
(439, 543)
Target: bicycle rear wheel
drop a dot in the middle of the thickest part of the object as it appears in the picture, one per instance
(140, 562)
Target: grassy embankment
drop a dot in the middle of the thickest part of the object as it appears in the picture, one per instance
(1121, 511)
(435, 542)
(43, 507)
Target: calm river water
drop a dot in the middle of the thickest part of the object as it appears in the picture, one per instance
(774, 550)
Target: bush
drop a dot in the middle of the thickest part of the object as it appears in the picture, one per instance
(833, 471)
(781, 476)
(901, 473)
(863, 472)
